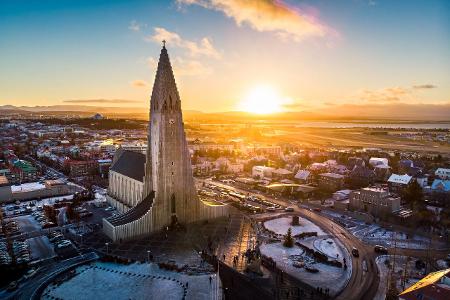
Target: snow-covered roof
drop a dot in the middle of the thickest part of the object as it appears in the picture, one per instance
(441, 185)
(332, 175)
(402, 179)
(344, 192)
(374, 161)
(442, 171)
(302, 174)
(282, 171)
(27, 187)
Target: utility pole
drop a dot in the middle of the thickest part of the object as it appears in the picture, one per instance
(405, 273)
(392, 284)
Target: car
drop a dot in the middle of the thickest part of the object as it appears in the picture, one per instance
(63, 244)
(317, 209)
(380, 249)
(12, 286)
(311, 269)
(289, 209)
(355, 252)
(271, 208)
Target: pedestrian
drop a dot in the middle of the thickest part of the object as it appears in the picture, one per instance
(224, 257)
(210, 280)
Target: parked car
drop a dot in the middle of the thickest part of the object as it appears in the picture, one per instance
(355, 252)
(289, 209)
(63, 244)
(380, 249)
(12, 286)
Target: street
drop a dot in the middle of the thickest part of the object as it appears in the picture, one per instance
(364, 280)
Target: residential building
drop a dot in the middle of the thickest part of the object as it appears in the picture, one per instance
(361, 176)
(440, 186)
(355, 161)
(303, 176)
(434, 286)
(376, 161)
(78, 168)
(442, 173)
(397, 182)
(331, 181)
(374, 200)
(280, 174)
(12, 177)
(262, 172)
(25, 171)
(382, 172)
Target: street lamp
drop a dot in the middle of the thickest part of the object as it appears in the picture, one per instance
(148, 256)
(107, 244)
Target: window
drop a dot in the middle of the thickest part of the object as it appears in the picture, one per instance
(173, 202)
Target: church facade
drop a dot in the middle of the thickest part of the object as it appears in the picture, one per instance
(157, 190)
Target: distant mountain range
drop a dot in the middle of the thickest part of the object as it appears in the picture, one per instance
(413, 112)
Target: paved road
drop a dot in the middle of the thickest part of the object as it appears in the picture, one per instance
(364, 281)
(30, 289)
(41, 248)
(62, 219)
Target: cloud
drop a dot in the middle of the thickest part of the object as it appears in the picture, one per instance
(188, 67)
(134, 26)
(101, 101)
(139, 83)
(391, 94)
(195, 49)
(424, 86)
(276, 16)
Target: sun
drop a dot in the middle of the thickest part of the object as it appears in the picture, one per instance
(262, 99)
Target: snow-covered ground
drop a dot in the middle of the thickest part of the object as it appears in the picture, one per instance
(400, 263)
(443, 264)
(286, 257)
(377, 235)
(136, 281)
(41, 248)
(281, 225)
(328, 276)
(328, 247)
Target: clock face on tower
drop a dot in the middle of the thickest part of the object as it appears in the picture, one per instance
(171, 121)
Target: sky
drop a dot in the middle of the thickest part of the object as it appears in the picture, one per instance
(226, 54)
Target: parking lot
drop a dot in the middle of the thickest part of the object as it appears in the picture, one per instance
(249, 202)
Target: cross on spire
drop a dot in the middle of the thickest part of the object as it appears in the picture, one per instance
(164, 43)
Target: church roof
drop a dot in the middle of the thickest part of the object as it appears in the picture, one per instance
(130, 164)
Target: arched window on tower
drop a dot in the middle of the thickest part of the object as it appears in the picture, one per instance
(172, 204)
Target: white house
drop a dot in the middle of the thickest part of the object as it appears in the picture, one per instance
(375, 161)
(262, 171)
(442, 173)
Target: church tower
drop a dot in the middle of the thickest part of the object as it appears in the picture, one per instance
(157, 190)
(168, 170)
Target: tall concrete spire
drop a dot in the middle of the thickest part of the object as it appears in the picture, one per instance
(165, 93)
(168, 166)
(169, 195)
